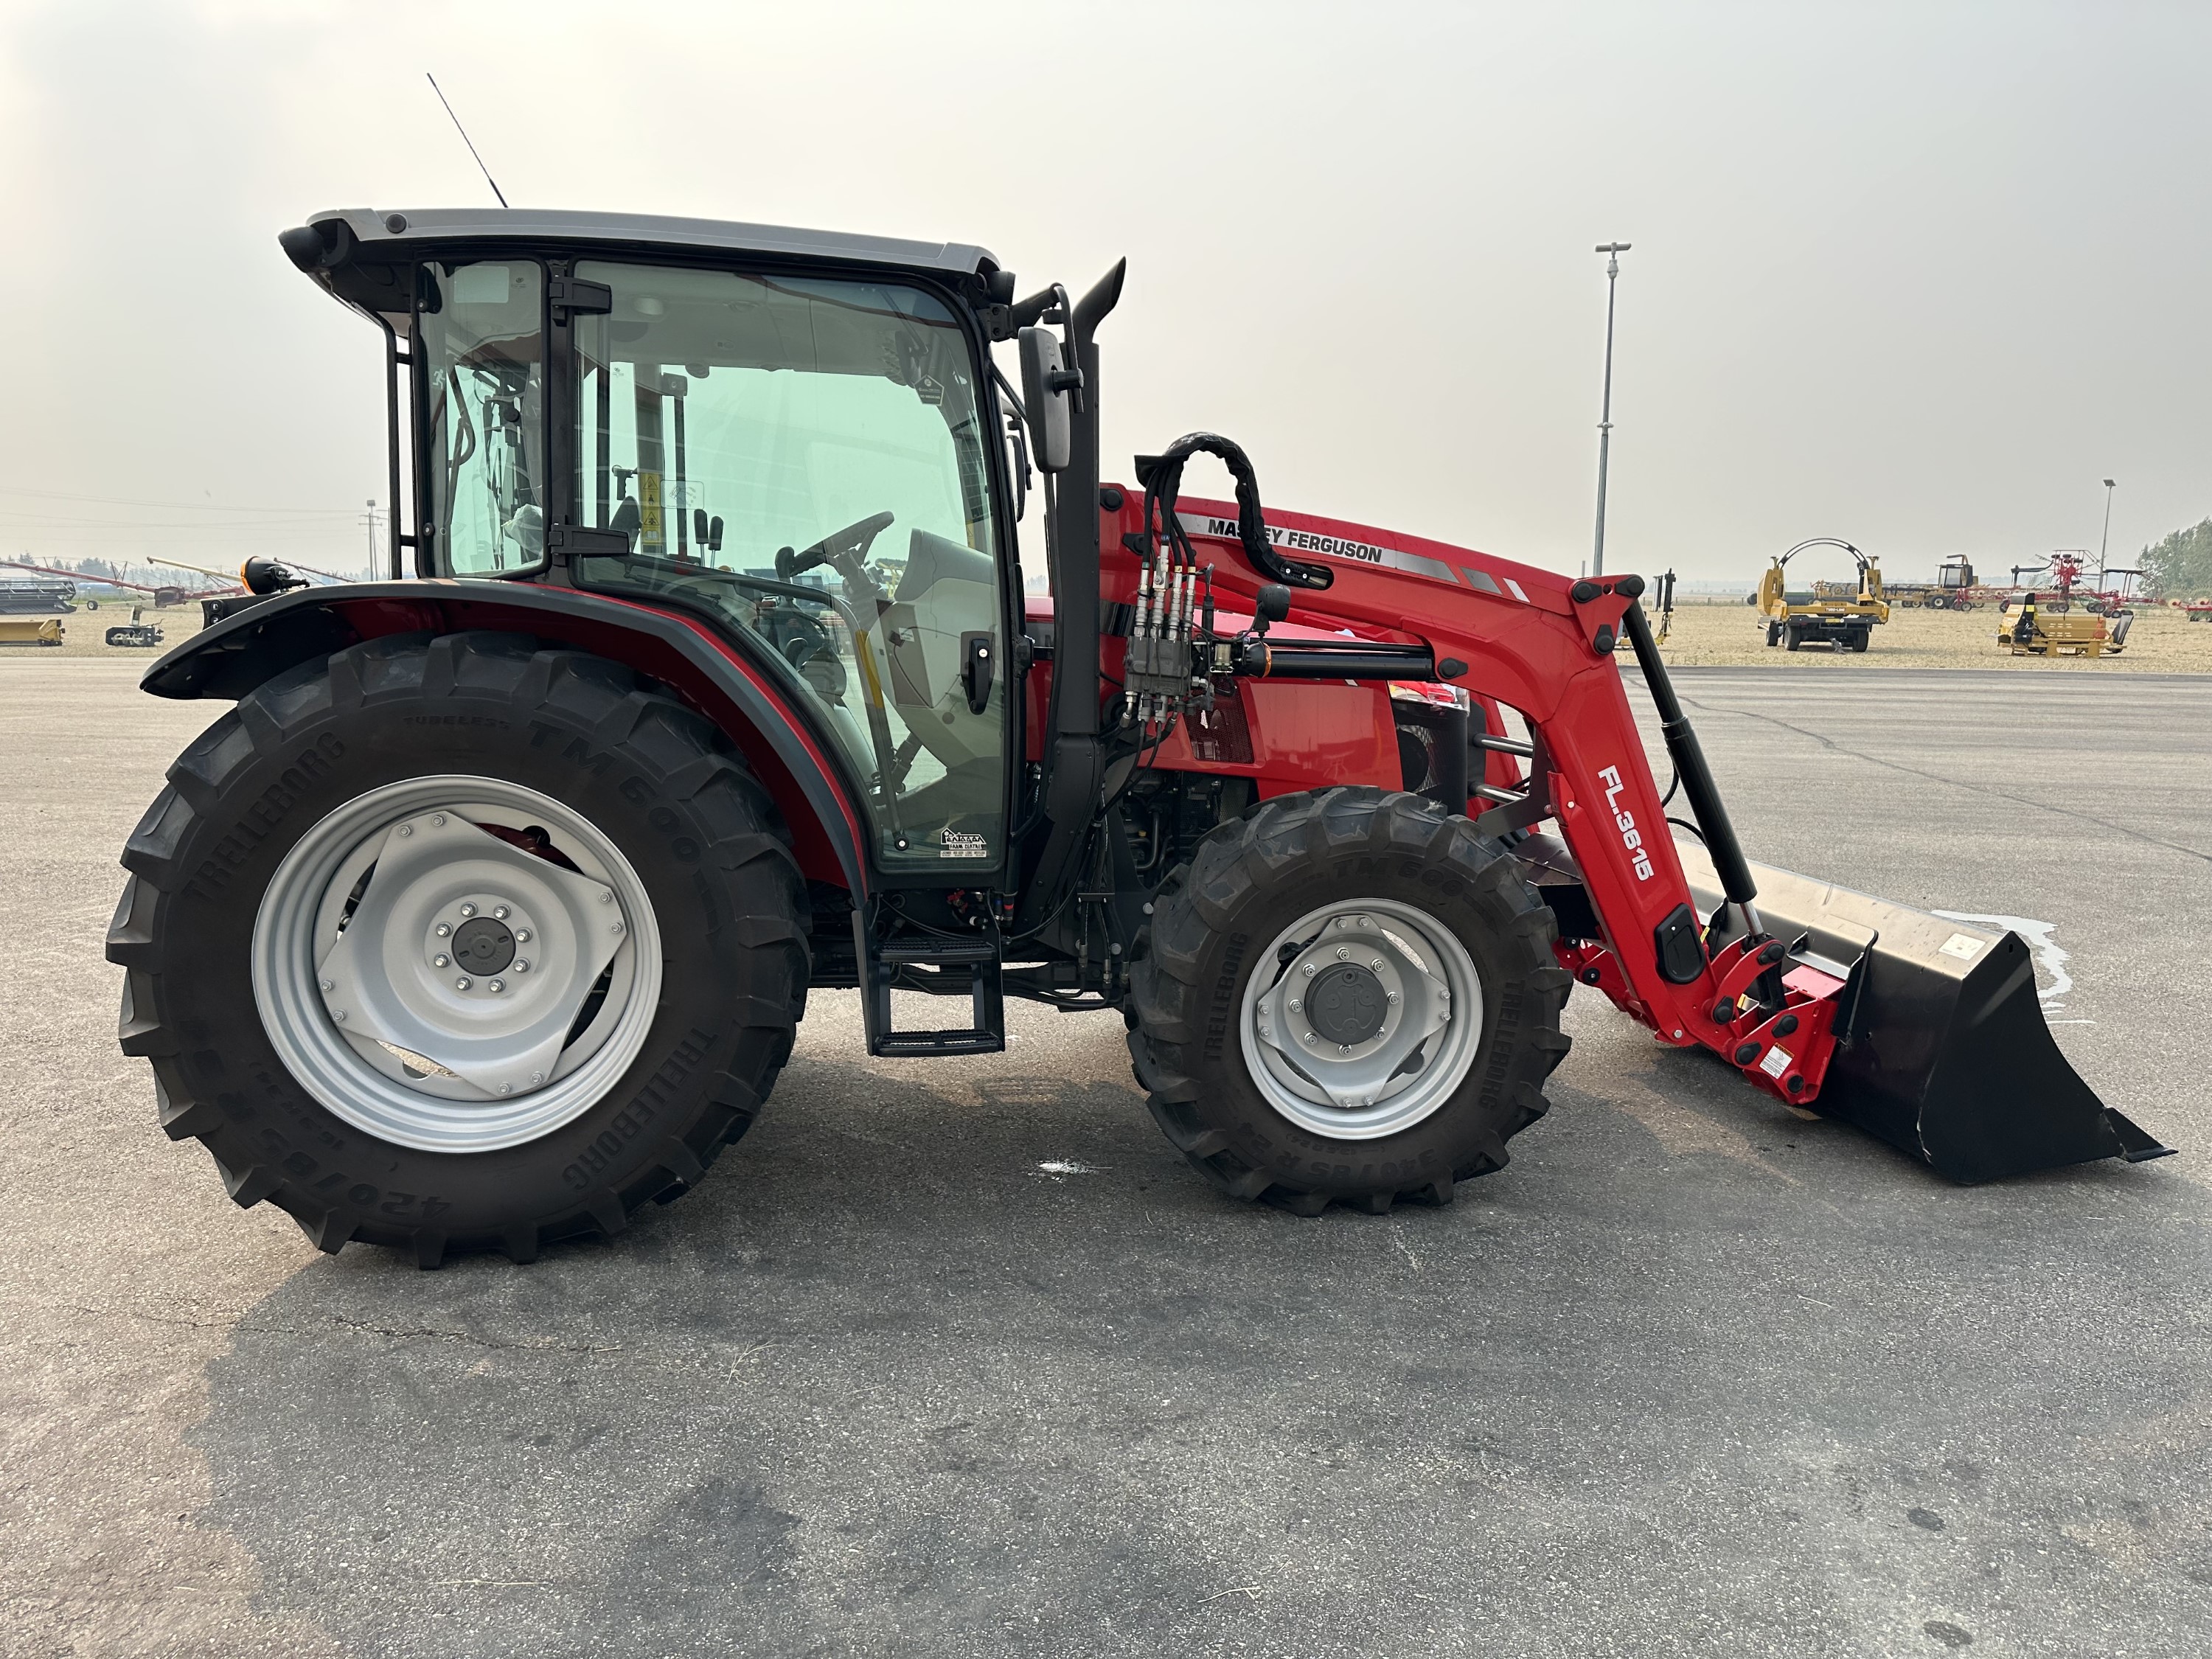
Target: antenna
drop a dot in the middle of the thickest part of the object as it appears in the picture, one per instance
(465, 139)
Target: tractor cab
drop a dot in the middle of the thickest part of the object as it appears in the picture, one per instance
(794, 439)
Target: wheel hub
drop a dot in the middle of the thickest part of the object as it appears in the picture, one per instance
(1370, 1022)
(429, 976)
(482, 944)
(1346, 1003)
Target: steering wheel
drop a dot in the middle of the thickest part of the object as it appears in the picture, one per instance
(844, 548)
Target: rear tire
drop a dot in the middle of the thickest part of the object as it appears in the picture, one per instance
(1256, 882)
(704, 865)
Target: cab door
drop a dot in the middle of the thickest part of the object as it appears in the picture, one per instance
(805, 460)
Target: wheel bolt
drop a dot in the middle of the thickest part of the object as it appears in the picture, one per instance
(406, 830)
(468, 909)
(616, 928)
(463, 983)
(499, 913)
(522, 936)
(521, 966)
(338, 1014)
(606, 897)
(1344, 1048)
(444, 928)
(437, 820)
(1341, 953)
(1391, 996)
(1312, 970)
(1376, 964)
(499, 985)
(1311, 1038)
(538, 1077)
(327, 986)
(1294, 1002)
(507, 1088)
(441, 961)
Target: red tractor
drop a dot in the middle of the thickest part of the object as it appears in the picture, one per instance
(490, 911)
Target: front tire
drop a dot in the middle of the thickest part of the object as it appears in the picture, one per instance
(298, 860)
(1396, 1088)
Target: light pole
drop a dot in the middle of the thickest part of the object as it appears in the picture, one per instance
(2105, 540)
(1613, 251)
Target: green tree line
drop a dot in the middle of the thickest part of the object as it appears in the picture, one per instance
(2180, 566)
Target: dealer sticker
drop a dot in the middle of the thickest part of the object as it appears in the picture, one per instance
(964, 844)
(1963, 947)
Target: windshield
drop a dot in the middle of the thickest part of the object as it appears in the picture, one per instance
(805, 459)
(484, 367)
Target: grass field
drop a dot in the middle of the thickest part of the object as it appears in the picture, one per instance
(84, 632)
(1731, 634)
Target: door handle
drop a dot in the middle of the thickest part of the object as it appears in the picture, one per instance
(978, 666)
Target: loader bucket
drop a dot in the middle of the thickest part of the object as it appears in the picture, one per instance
(1943, 1048)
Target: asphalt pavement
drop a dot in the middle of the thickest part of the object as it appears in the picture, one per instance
(958, 1357)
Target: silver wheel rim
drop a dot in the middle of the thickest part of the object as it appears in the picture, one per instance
(432, 983)
(1426, 1004)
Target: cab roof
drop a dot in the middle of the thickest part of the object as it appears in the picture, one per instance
(377, 228)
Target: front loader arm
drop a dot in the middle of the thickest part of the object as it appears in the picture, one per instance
(1546, 644)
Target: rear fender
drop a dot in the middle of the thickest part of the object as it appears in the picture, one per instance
(708, 672)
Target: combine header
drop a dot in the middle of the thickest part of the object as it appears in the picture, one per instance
(490, 912)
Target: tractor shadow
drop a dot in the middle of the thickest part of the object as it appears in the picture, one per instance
(981, 1366)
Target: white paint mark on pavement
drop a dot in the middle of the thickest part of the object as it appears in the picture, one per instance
(1057, 1167)
(2050, 960)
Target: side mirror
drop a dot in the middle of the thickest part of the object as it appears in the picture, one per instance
(1046, 384)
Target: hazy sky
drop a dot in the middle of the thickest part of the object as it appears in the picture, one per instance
(1918, 276)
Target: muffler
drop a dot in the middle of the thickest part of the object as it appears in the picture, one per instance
(1941, 1048)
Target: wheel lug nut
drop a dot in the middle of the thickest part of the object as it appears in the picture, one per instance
(1391, 995)
(468, 909)
(507, 1088)
(499, 985)
(328, 986)
(1341, 953)
(538, 1077)
(1312, 970)
(499, 913)
(1294, 1002)
(406, 830)
(1376, 964)
(522, 936)
(1344, 1048)
(1311, 1038)
(463, 983)
(521, 965)
(606, 897)
(437, 820)
(615, 928)
(441, 961)
(444, 928)
(338, 1014)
